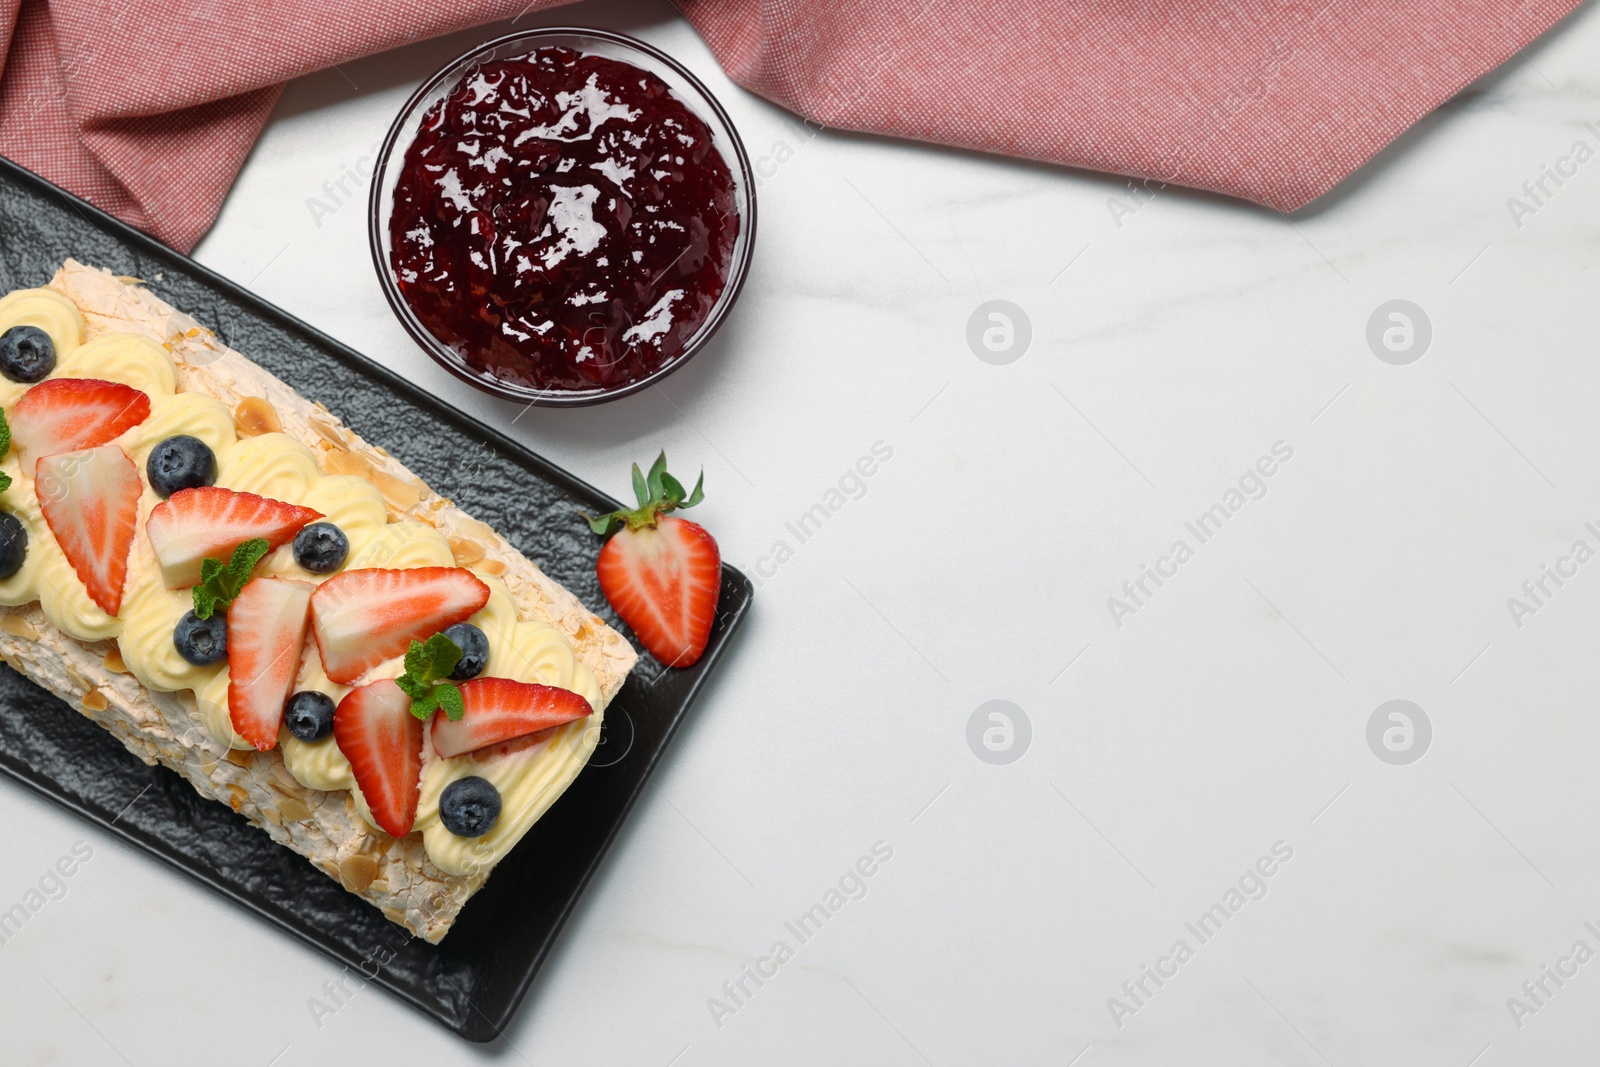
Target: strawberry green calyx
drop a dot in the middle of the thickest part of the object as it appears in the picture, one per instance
(658, 493)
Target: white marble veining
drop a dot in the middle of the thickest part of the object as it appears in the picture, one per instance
(1226, 713)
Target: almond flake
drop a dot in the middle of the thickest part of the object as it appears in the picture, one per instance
(338, 461)
(255, 416)
(465, 550)
(328, 432)
(398, 493)
(357, 872)
(17, 626)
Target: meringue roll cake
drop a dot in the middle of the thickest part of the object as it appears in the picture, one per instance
(237, 586)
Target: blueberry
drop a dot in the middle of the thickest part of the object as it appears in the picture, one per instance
(13, 544)
(309, 715)
(474, 648)
(469, 807)
(180, 462)
(321, 548)
(26, 354)
(202, 641)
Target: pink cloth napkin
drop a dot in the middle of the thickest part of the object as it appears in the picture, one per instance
(149, 107)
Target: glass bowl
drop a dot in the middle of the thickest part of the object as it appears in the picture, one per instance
(684, 85)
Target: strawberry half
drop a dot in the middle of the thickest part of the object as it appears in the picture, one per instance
(71, 414)
(662, 575)
(374, 728)
(266, 630)
(364, 617)
(499, 709)
(210, 521)
(90, 501)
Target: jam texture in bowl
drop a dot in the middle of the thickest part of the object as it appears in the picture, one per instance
(555, 218)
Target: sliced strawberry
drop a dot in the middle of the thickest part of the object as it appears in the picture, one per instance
(267, 624)
(664, 581)
(374, 728)
(365, 617)
(70, 414)
(662, 574)
(499, 709)
(90, 500)
(210, 521)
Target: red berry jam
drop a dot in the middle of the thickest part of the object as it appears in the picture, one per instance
(563, 222)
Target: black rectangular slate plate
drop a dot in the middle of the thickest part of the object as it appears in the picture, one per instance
(473, 981)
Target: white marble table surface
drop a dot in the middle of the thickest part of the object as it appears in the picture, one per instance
(1171, 742)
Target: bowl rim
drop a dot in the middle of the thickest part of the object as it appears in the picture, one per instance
(738, 269)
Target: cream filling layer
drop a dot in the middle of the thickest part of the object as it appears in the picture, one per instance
(529, 776)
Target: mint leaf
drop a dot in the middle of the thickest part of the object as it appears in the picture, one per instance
(449, 698)
(432, 660)
(219, 584)
(443, 655)
(428, 665)
(207, 593)
(5, 446)
(423, 706)
(416, 666)
(245, 558)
